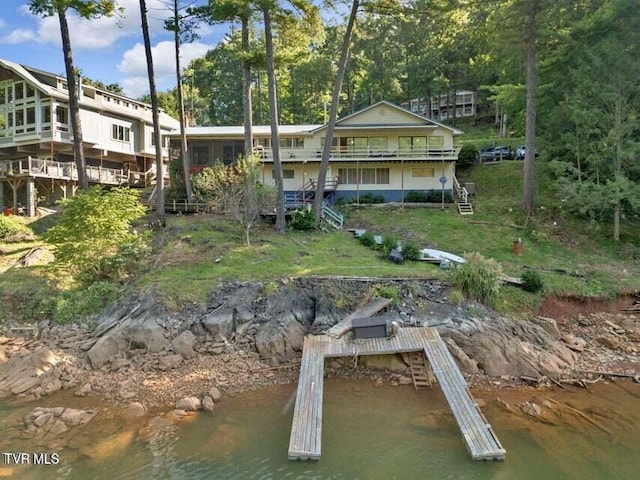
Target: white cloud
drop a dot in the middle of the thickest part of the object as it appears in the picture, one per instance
(2, 23)
(97, 33)
(18, 35)
(134, 65)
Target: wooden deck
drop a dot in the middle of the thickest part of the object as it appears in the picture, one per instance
(306, 428)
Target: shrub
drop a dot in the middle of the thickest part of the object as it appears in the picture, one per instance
(386, 291)
(367, 239)
(467, 155)
(77, 304)
(479, 278)
(532, 281)
(410, 251)
(371, 198)
(456, 297)
(11, 225)
(416, 197)
(303, 219)
(389, 242)
(93, 237)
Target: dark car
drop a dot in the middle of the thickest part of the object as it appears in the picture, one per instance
(497, 153)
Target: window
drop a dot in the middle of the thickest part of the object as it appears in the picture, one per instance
(30, 91)
(423, 172)
(120, 133)
(61, 115)
(436, 142)
(264, 142)
(368, 176)
(200, 154)
(46, 114)
(412, 145)
(19, 88)
(31, 115)
(378, 144)
(292, 142)
(287, 174)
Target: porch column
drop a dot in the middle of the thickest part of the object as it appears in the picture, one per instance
(32, 194)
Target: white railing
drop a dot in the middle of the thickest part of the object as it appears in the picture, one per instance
(364, 154)
(460, 191)
(39, 167)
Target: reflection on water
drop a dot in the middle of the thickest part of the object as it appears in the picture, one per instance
(369, 433)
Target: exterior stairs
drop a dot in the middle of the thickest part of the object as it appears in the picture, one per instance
(330, 219)
(465, 208)
(421, 373)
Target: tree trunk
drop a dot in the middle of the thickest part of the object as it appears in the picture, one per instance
(246, 89)
(184, 148)
(335, 99)
(528, 185)
(160, 211)
(273, 114)
(74, 104)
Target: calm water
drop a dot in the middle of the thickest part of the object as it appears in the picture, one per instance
(370, 433)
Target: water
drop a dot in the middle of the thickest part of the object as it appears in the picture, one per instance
(369, 433)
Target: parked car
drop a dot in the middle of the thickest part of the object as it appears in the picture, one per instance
(496, 153)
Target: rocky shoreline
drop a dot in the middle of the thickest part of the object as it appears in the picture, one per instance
(250, 335)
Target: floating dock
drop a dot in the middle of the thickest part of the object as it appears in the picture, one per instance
(306, 428)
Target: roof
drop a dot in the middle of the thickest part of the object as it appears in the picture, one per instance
(144, 113)
(238, 130)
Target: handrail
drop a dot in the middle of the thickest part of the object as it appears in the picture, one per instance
(335, 216)
(461, 191)
(349, 153)
(32, 166)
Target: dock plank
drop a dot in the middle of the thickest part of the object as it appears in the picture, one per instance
(306, 428)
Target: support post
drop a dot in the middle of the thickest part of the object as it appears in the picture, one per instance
(32, 194)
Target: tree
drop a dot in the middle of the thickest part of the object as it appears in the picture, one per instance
(160, 194)
(183, 29)
(93, 236)
(335, 98)
(87, 9)
(235, 190)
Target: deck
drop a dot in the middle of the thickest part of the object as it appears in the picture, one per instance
(306, 428)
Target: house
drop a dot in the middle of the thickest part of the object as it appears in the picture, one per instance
(441, 107)
(382, 150)
(36, 142)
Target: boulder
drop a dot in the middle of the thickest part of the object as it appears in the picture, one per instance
(215, 394)
(576, 344)
(207, 403)
(219, 323)
(609, 341)
(73, 416)
(23, 374)
(135, 410)
(106, 348)
(169, 362)
(183, 344)
(278, 342)
(549, 325)
(189, 404)
(466, 364)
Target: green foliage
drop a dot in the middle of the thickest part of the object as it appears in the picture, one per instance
(429, 196)
(532, 281)
(12, 225)
(479, 277)
(389, 242)
(386, 291)
(94, 237)
(303, 219)
(370, 198)
(77, 304)
(410, 251)
(456, 297)
(368, 240)
(467, 155)
(416, 197)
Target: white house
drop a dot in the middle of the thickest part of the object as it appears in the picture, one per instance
(383, 150)
(442, 107)
(36, 143)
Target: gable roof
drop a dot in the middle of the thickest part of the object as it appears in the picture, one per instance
(413, 119)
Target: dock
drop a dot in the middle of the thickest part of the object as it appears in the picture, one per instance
(306, 428)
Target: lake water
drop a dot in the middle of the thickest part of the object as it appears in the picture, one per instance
(369, 433)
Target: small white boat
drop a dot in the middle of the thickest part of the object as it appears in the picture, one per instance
(429, 254)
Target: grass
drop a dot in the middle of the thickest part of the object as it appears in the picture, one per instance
(193, 254)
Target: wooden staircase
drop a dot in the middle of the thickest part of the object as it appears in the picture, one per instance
(465, 208)
(421, 373)
(461, 197)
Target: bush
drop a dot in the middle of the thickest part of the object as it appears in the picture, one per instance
(386, 291)
(371, 198)
(479, 278)
(93, 237)
(11, 225)
(532, 281)
(410, 251)
(303, 219)
(467, 155)
(77, 304)
(367, 239)
(416, 197)
(456, 297)
(389, 242)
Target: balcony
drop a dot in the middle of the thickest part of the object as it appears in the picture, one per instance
(348, 154)
(43, 168)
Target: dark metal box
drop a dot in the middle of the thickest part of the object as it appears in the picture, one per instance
(371, 327)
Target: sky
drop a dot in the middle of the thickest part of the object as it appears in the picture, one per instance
(110, 50)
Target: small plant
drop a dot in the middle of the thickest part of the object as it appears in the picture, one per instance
(367, 239)
(303, 219)
(479, 278)
(76, 304)
(10, 226)
(532, 281)
(389, 242)
(416, 197)
(410, 251)
(456, 297)
(386, 291)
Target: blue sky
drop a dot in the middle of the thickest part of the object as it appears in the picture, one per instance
(108, 49)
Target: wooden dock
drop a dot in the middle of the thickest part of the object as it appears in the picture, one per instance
(306, 428)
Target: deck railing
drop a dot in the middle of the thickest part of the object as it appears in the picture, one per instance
(44, 168)
(362, 154)
(460, 191)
